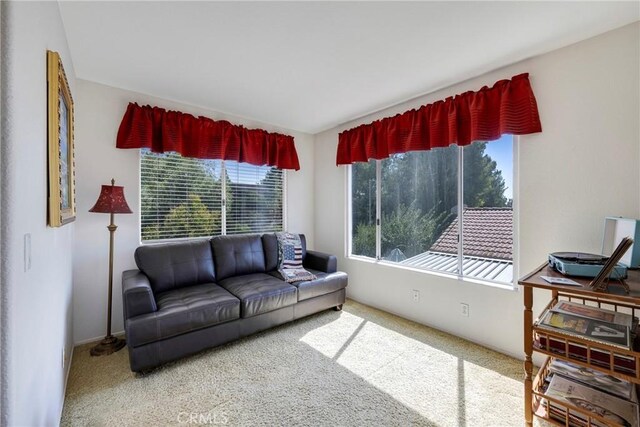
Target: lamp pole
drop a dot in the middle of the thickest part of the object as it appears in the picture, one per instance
(112, 229)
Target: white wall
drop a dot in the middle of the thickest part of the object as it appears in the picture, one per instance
(99, 111)
(582, 167)
(36, 303)
(3, 342)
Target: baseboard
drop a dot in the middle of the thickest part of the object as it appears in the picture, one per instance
(66, 381)
(96, 339)
(68, 369)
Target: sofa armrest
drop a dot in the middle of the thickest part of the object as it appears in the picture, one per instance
(321, 262)
(137, 295)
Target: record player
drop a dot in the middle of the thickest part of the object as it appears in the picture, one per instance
(583, 265)
(589, 265)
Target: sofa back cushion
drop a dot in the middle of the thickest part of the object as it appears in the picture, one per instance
(238, 255)
(176, 265)
(270, 244)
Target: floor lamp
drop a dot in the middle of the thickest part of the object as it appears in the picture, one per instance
(111, 200)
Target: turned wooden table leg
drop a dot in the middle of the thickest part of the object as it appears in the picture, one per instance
(528, 350)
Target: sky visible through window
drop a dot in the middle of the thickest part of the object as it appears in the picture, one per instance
(501, 151)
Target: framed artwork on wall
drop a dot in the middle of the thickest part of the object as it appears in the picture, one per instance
(61, 194)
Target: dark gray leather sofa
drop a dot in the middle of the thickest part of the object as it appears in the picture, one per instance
(193, 295)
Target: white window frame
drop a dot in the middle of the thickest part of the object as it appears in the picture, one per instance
(223, 213)
(378, 258)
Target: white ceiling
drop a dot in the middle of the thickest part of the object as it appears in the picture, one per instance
(310, 66)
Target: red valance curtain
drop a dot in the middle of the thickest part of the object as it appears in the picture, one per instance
(204, 138)
(509, 107)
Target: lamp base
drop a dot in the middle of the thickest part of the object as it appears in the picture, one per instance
(108, 345)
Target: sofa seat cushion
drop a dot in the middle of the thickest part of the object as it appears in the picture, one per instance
(325, 283)
(183, 310)
(260, 293)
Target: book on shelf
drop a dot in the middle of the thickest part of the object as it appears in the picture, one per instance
(594, 379)
(621, 363)
(595, 313)
(587, 328)
(574, 394)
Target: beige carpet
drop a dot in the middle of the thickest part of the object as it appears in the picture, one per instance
(358, 367)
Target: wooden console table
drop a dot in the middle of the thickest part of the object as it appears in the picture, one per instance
(594, 353)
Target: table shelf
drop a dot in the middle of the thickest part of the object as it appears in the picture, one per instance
(609, 359)
(564, 414)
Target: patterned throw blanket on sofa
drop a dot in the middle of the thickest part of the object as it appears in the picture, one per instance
(290, 258)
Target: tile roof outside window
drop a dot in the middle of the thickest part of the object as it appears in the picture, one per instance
(488, 244)
(488, 233)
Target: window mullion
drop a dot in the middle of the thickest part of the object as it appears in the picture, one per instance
(378, 209)
(283, 212)
(223, 213)
(460, 210)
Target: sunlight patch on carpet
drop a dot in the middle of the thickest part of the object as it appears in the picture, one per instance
(329, 339)
(419, 375)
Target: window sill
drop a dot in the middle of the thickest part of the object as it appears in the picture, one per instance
(499, 285)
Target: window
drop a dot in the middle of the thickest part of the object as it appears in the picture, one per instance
(254, 198)
(184, 197)
(447, 209)
(363, 212)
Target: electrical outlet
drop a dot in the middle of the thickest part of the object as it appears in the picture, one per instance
(464, 309)
(416, 295)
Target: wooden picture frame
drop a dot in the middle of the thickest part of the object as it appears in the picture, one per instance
(61, 193)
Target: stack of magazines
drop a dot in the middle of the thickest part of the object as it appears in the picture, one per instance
(594, 392)
(593, 324)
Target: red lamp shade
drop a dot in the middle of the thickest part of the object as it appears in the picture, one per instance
(111, 200)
